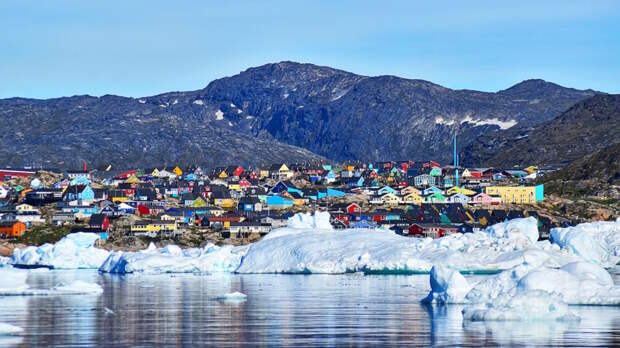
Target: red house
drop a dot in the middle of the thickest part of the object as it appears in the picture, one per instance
(244, 183)
(354, 208)
(143, 210)
(99, 221)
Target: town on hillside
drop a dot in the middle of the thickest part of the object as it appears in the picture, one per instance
(237, 204)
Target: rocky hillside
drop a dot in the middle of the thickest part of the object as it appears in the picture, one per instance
(585, 128)
(267, 114)
(594, 175)
(65, 132)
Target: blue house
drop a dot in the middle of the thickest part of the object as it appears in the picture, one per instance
(191, 177)
(279, 187)
(334, 193)
(279, 202)
(79, 192)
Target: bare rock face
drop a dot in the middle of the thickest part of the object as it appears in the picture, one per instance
(277, 112)
(585, 128)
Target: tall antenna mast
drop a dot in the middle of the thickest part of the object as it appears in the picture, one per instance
(456, 163)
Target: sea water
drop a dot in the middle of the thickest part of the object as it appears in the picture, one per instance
(279, 310)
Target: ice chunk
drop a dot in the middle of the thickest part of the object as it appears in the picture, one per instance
(74, 251)
(516, 229)
(8, 329)
(597, 242)
(574, 283)
(447, 286)
(78, 287)
(233, 297)
(536, 305)
(172, 259)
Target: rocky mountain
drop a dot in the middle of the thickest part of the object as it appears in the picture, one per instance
(585, 128)
(65, 132)
(268, 113)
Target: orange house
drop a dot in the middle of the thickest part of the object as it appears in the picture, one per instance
(12, 229)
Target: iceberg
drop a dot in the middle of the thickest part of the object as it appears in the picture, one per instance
(76, 250)
(233, 297)
(597, 242)
(301, 247)
(537, 305)
(447, 286)
(578, 283)
(172, 259)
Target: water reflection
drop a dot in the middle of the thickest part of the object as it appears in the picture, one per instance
(315, 310)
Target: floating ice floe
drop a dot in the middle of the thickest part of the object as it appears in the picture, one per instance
(14, 283)
(233, 297)
(8, 329)
(597, 242)
(526, 292)
(74, 251)
(172, 259)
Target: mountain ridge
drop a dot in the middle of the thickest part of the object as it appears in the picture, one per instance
(328, 112)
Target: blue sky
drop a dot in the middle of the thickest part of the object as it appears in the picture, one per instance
(139, 48)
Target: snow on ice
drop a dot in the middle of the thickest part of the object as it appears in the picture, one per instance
(172, 259)
(597, 242)
(526, 292)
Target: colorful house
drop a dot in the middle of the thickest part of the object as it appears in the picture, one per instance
(12, 229)
(279, 202)
(517, 194)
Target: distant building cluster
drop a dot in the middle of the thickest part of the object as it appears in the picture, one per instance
(410, 198)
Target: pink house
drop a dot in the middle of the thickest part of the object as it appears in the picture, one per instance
(482, 198)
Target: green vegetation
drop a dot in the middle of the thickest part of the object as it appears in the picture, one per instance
(39, 235)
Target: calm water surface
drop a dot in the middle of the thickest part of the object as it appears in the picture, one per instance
(281, 310)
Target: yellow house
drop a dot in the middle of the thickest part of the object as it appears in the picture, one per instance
(199, 203)
(456, 189)
(119, 199)
(234, 186)
(223, 202)
(263, 173)
(517, 194)
(531, 169)
(155, 173)
(132, 179)
(350, 167)
(284, 172)
(409, 189)
(413, 198)
(390, 198)
(153, 227)
(222, 175)
(177, 171)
